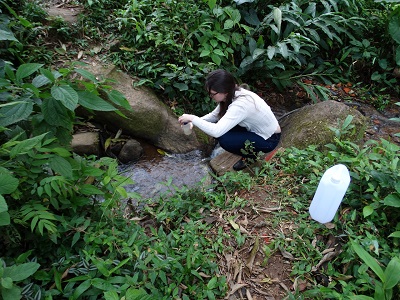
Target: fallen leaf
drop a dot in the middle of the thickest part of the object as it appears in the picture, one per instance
(204, 275)
(346, 90)
(253, 254)
(234, 225)
(286, 254)
(248, 295)
(236, 287)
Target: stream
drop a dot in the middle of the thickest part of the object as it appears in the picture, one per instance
(156, 174)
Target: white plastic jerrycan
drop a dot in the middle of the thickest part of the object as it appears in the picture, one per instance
(329, 194)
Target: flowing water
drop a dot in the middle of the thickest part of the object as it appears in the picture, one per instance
(158, 173)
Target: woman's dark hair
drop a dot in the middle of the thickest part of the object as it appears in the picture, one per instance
(222, 81)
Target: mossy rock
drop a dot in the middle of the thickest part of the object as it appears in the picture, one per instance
(310, 125)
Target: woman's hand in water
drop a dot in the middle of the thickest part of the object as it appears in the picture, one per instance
(185, 118)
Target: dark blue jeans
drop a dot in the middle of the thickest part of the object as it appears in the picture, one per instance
(235, 140)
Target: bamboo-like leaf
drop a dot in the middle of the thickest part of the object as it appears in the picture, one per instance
(369, 260)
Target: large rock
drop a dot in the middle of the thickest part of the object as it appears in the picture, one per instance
(86, 143)
(310, 125)
(149, 119)
(306, 126)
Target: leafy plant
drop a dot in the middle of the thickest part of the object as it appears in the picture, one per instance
(389, 277)
(297, 34)
(11, 275)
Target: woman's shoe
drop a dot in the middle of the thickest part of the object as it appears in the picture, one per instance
(240, 165)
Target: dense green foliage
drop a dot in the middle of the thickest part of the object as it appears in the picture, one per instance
(367, 226)
(172, 44)
(63, 232)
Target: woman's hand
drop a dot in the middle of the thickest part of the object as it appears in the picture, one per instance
(185, 118)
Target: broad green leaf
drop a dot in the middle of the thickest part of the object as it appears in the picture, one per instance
(392, 200)
(212, 283)
(75, 238)
(257, 53)
(271, 50)
(205, 52)
(8, 184)
(11, 294)
(59, 151)
(111, 295)
(26, 145)
(66, 94)
(216, 59)
(392, 273)
(361, 297)
(181, 86)
(212, 3)
(369, 260)
(4, 218)
(394, 25)
(56, 114)
(222, 38)
(348, 120)
(237, 38)
(395, 234)
(88, 189)
(6, 282)
(137, 294)
(17, 111)
(61, 166)
(251, 17)
(27, 69)
(102, 284)
(81, 289)
(50, 75)
(3, 204)
(86, 74)
(21, 272)
(119, 99)
(277, 18)
(92, 101)
(7, 36)
(228, 24)
(283, 49)
(40, 81)
(367, 211)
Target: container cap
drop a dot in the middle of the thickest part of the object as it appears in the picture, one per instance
(336, 177)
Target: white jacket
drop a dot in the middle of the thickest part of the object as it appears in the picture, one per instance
(247, 110)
